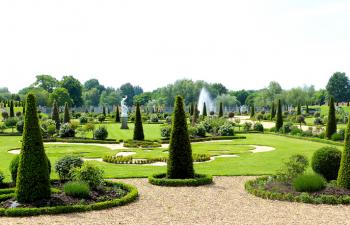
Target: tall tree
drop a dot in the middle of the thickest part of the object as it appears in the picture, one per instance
(46, 82)
(273, 111)
(338, 86)
(252, 111)
(61, 96)
(180, 162)
(128, 90)
(74, 89)
(221, 110)
(117, 114)
(204, 112)
(279, 119)
(12, 111)
(66, 117)
(33, 179)
(332, 122)
(138, 129)
(55, 115)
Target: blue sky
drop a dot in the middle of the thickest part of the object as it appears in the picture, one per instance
(243, 44)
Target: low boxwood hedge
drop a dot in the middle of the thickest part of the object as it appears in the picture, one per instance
(21, 212)
(82, 140)
(254, 187)
(213, 138)
(161, 180)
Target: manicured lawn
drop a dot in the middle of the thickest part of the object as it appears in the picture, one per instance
(247, 164)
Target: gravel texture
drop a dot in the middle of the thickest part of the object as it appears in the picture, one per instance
(224, 202)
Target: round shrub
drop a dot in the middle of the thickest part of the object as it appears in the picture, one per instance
(66, 131)
(20, 126)
(258, 127)
(309, 183)
(89, 174)
(226, 130)
(65, 164)
(200, 131)
(100, 133)
(231, 114)
(77, 189)
(165, 131)
(287, 128)
(83, 119)
(154, 118)
(326, 161)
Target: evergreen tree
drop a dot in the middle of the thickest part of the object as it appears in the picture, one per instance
(195, 115)
(66, 117)
(12, 112)
(252, 111)
(55, 115)
(104, 111)
(192, 109)
(299, 109)
(204, 113)
(344, 169)
(221, 110)
(180, 162)
(307, 108)
(138, 129)
(273, 111)
(117, 115)
(331, 123)
(33, 179)
(279, 119)
(23, 109)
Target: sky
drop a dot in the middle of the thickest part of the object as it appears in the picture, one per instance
(242, 44)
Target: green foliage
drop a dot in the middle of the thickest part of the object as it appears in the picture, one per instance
(221, 110)
(138, 129)
(252, 111)
(83, 119)
(226, 129)
(331, 123)
(344, 170)
(66, 117)
(33, 176)
(88, 173)
(180, 163)
(247, 126)
(101, 133)
(20, 126)
(295, 166)
(338, 86)
(11, 122)
(74, 89)
(273, 111)
(61, 96)
(279, 119)
(197, 180)
(165, 131)
(326, 161)
(309, 183)
(12, 112)
(77, 189)
(204, 111)
(65, 164)
(101, 118)
(299, 109)
(117, 114)
(66, 130)
(258, 127)
(55, 116)
(2, 177)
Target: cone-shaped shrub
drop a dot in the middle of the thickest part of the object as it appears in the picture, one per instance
(331, 123)
(252, 111)
(104, 111)
(273, 111)
(117, 115)
(180, 163)
(195, 115)
(299, 109)
(344, 170)
(23, 109)
(307, 109)
(12, 112)
(138, 129)
(192, 109)
(66, 117)
(204, 112)
(55, 115)
(33, 178)
(221, 110)
(279, 119)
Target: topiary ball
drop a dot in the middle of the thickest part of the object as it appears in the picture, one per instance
(326, 161)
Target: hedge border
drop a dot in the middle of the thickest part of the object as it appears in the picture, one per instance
(160, 180)
(215, 138)
(82, 140)
(304, 197)
(22, 212)
(313, 139)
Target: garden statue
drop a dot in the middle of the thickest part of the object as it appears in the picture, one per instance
(124, 116)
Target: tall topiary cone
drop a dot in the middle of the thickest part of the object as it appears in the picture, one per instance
(12, 112)
(299, 109)
(192, 109)
(307, 108)
(252, 111)
(344, 170)
(279, 119)
(180, 162)
(66, 117)
(204, 112)
(33, 178)
(55, 115)
(104, 110)
(117, 115)
(221, 110)
(331, 123)
(273, 111)
(138, 129)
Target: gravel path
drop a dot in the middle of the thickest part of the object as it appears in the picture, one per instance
(225, 202)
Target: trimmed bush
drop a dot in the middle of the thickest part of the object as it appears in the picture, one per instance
(66, 116)
(279, 119)
(258, 127)
(83, 119)
(77, 189)
(344, 170)
(226, 130)
(326, 161)
(88, 173)
(117, 114)
(154, 118)
(273, 111)
(165, 131)
(101, 133)
(55, 116)
(138, 129)
(331, 122)
(309, 183)
(101, 118)
(180, 163)
(204, 112)
(66, 130)
(198, 179)
(33, 181)
(20, 126)
(65, 164)
(295, 166)
(252, 111)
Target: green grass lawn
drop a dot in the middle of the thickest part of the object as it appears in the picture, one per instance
(247, 164)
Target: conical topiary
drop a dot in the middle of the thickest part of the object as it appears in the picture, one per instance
(117, 115)
(307, 109)
(252, 111)
(344, 170)
(138, 129)
(66, 117)
(192, 109)
(221, 110)
(104, 111)
(180, 162)
(55, 115)
(273, 111)
(33, 178)
(331, 123)
(204, 112)
(279, 119)
(12, 112)
(195, 115)
(299, 109)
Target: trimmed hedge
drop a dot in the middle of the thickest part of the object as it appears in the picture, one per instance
(21, 212)
(162, 180)
(250, 187)
(166, 141)
(82, 140)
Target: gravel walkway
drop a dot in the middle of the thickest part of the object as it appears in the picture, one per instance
(225, 202)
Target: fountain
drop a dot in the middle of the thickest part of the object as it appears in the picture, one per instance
(204, 96)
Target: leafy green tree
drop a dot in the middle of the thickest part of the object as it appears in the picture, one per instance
(55, 115)
(93, 84)
(46, 82)
(128, 90)
(204, 112)
(332, 122)
(180, 162)
(344, 170)
(74, 89)
(41, 95)
(221, 110)
(61, 96)
(138, 129)
(92, 97)
(279, 119)
(117, 114)
(241, 95)
(66, 117)
(110, 96)
(33, 179)
(338, 86)
(12, 112)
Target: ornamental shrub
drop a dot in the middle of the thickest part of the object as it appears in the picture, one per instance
(2, 177)
(331, 123)
(279, 119)
(88, 173)
(226, 130)
(117, 115)
(231, 114)
(33, 181)
(318, 121)
(247, 126)
(77, 189)
(200, 131)
(326, 161)
(309, 183)
(138, 128)
(101, 133)
(286, 128)
(295, 166)
(83, 119)
(165, 131)
(11, 122)
(258, 127)
(66, 116)
(20, 126)
(56, 115)
(221, 110)
(344, 170)
(65, 164)
(66, 131)
(101, 118)
(154, 118)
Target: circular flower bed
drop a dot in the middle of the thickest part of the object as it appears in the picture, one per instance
(115, 194)
(162, 180)
(268, 188)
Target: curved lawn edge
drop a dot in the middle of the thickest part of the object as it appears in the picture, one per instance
(160, 180)
(251, 187)
(22, 212)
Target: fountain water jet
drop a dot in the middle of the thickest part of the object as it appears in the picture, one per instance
(204, 96)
